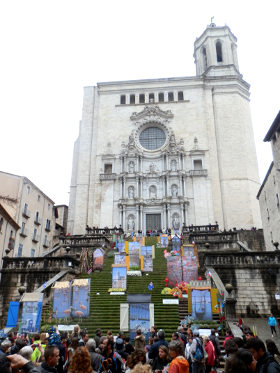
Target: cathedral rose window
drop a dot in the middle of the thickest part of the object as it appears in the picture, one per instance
(152, 138)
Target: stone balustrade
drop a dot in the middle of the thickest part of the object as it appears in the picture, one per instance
(84, 241)
(200, 228)
(201, 237)
(48, 264)
(255, 259)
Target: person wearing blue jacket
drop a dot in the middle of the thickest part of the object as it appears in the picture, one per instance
(272, 323)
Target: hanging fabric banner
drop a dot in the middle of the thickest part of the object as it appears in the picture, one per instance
(62, 300)
(31, 317)
(81, 298)
(201, 305)
(118, 276)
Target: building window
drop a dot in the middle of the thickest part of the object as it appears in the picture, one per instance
(132, 99)
(39, 197)
(151, 98)
(108, 168)
(49, 206)
(20, 247)
(170, 96)
(123, 99)
(161, 97)
(142, 98)
(32, 253)
(25, 208)
(219, 51)
(180, 96)
(48, 225)
(197, 164)
(28, 189)
(1, 223)
(152, 138)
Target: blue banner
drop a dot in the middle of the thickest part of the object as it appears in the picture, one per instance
(12, 315)
(62, 302)
(201, 305)
(139, 316)
(31, 317)
(81, 298)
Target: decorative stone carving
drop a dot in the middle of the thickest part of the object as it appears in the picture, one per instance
(131, 222)
(151, 111)
(174, 190)
(131, 167)
(131, 192)
(175, 221)
(153, 191)
(173, 165)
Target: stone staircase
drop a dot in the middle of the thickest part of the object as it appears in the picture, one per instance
(105, 309)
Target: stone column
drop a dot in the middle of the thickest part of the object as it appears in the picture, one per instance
(182, 215)
(124, 218)
(167, 162)
(163, 214)
(124, 164)
(124, 188)
(137, 218)
(137, 187)
(141, 217)
(120, 216)
(167, 186)
(169, 216)
(182, 186)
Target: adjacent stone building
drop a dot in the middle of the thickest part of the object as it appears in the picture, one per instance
(32, 211)
(8, 230)
(269, 193)
(161, 153)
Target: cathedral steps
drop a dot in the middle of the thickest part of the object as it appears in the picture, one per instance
(105, 309)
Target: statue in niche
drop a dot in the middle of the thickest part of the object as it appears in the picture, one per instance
(131, 192)
(152, 167)
(175, 222)
(173, 165)
(131, 223)
(131, 167)
(174, 190)
(152, 192)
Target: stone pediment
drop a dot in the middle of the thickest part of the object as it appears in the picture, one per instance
(151, 113)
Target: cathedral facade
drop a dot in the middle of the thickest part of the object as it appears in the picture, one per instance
(160, 153)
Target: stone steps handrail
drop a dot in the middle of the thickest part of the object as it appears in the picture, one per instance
(84, 240)
(51, 251)
(213, 237)
(216, 280)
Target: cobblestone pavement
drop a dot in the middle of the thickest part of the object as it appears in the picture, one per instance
(263, 329)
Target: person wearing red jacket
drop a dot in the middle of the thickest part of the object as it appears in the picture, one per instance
(210, 350)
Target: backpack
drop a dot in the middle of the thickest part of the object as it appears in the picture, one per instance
(106, 363)
(199, 353)
(271, 360)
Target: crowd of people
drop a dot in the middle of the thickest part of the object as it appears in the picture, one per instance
(186, 352)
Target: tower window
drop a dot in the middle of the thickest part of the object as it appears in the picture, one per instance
(170, 96)
(123, 99)
(180, 96)
(219, 51)
(161, 97)
(142, 98)
(132, 99)
(151, 97)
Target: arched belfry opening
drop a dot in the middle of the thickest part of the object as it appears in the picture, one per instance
(204, 58)
(219, 52)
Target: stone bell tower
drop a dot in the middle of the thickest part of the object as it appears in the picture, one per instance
(215, 52)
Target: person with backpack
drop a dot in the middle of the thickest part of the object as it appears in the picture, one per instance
(112, 361)
(197, 354)
(265, 361)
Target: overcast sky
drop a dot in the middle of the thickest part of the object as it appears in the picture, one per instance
(51, 49)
